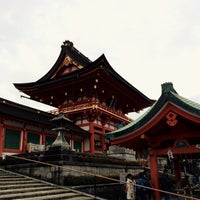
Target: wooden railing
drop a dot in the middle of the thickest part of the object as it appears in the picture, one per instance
(68, 169)
(73, 108)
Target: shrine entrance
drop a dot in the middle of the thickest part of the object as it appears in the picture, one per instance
(169, 129)
(180, 161)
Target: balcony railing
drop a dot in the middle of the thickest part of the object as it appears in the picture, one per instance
(94, 105)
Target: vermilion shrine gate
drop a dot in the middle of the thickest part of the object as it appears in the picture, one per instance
(91, 94)
(170, 128)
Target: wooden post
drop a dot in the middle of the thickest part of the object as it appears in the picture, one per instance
(24, 140)
(91, 130)
(154, 175)
(1, 138)
(103, 139)
(177, 169)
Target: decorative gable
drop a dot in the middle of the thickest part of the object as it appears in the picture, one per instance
(67, 66)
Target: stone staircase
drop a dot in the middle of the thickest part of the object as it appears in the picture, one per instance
(19, 187)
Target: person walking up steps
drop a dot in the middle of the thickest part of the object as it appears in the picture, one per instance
(141, 192)
(165, 184)
(130, 187)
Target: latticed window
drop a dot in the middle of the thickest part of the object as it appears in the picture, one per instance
(33, 138)
(78, 146)
(12, 139)
(49, 140)
(98, 142)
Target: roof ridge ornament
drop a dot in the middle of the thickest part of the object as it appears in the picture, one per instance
(68, 43)
(168, 87)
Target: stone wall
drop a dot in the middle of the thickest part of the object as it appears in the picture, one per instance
(59, 174)
(59, 166)
(121, 152)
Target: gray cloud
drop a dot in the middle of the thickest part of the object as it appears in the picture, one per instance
(147, 42)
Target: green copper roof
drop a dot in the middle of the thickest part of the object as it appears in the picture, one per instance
(169, 95)
(188, 102)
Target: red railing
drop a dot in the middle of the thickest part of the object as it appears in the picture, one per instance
(85, 105)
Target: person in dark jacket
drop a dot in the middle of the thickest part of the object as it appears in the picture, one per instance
(142, 193)
(184, 185)
(165, 184)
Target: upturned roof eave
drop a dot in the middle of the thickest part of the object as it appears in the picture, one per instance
(105, 65)
(23, 112)
(67, 49)
(42, 118)
(166, 98)
(38, 84)
(100, 63)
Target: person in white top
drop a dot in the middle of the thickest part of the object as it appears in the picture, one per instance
(130, 187)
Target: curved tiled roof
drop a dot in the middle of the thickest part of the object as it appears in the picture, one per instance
(28, 114)
(169, 95)
(47, 86)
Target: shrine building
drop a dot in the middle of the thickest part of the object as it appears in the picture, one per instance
(91, 94)
(21, 126)
(95, 100)
(170, 129)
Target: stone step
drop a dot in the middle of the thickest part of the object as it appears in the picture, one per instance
(14, 186)
(26, 181)
(8, 176)
(81, 198)
(69, 195)
(13, 179)
(23, 189)
(33, 194)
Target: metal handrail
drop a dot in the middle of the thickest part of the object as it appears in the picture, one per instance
(104, 177)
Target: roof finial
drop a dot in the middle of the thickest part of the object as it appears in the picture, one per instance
(68, 43)
(167, 87)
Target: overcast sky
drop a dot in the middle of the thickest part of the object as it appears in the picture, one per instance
(146, 42)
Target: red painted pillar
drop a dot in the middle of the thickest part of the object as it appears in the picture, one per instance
(91, 130)
(177, 169)
(1, 138)
(103, 139)
(43, 137)
(154, 175)
(24, 140)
